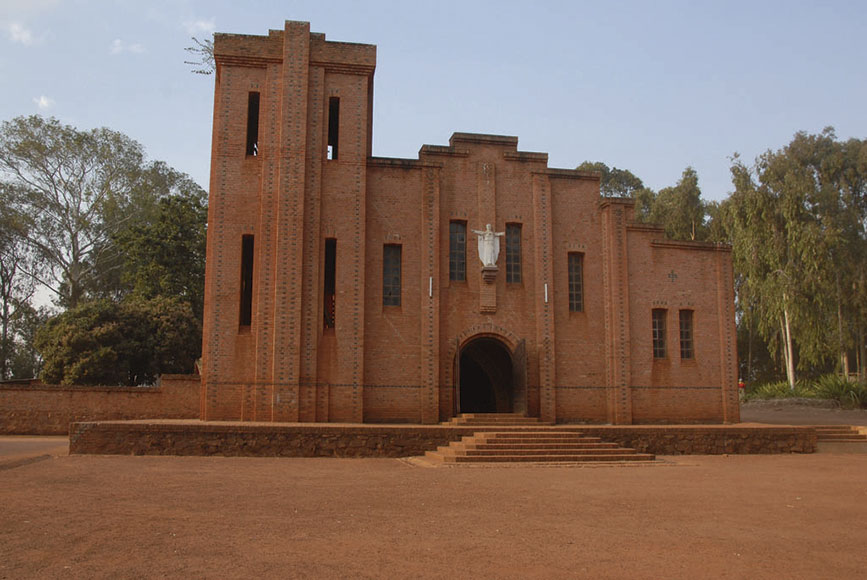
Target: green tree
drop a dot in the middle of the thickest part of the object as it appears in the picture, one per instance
(796, 221)
(680, 209)
(128, 343)
(26, 362)
(71, 192)
(17, 286)
(614, 182)
(166, 255)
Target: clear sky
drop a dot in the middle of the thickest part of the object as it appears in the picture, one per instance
(649, 86)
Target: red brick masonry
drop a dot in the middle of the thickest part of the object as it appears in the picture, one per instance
(353, 440)
(37, 409)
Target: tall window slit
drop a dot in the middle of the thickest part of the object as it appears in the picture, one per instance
(330, 282)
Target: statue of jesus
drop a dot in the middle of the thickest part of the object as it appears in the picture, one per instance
(489, 245)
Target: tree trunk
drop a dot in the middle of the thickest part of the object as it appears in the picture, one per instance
(844, 355)
(862, 353)
(790, 358)
(749, 349)
(5, 351)
(787, 348)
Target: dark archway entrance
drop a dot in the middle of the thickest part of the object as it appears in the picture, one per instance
(485, 377)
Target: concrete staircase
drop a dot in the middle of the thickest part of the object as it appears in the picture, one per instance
(493, 420)
(526, 440)
(840, 439)
(838, 434)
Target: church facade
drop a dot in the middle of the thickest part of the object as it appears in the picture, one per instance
(344, 287)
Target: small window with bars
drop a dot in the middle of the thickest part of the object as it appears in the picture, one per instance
(458, 251)
(686, 336)
(391, 275)
(658, 326)
(576, 282)
(513, 253)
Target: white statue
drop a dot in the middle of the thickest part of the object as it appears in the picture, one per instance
(489, 245)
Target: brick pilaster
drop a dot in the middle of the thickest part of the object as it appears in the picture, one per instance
(430, 295)
(544, 293)
(616, 296)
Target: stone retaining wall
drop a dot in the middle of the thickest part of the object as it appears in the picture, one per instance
(709, 439)
(336, 440)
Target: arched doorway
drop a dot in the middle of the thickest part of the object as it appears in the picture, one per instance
(486, 382)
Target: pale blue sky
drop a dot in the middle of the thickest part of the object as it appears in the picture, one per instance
(647, 86)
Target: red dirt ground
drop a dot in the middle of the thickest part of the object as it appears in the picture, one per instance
(797, 516)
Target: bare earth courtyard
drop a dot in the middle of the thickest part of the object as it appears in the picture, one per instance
(213, 517)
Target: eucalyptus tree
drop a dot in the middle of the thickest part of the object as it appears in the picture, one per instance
(797, 225)
(680, 208)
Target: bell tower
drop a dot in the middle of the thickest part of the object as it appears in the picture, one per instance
(285, 273)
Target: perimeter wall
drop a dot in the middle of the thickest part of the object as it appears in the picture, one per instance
(32, 408)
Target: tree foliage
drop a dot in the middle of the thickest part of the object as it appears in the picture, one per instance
(203, 53)
(102, 342)
(614, 182)
(680, 209)
(71, 191)
(120, 242)
(17, 265)
(796, 221)
(166, 255)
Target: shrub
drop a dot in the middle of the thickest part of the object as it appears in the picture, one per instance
(778, 390)
(849, 394)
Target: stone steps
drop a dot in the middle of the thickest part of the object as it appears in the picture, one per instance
(531, 446)
(839, 434)
(552, 458)
(493, 420)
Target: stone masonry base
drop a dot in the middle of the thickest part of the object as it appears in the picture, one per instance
(235, 439)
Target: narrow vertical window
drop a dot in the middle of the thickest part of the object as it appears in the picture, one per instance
(391, 275)
(513, 253)
(686, 346)
(458, 251)
(333, 126)
(658, 326)
(246, 311)
(576, 282)
(330, 284)
(253, 124)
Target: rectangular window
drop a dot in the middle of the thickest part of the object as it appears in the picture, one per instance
(576, 282)
(686, 350)
(458, 251)
(253, 124)
(391, 275)
(658, 324)
(513, 253)
(330, 283)
(246, 311)
(333, 126)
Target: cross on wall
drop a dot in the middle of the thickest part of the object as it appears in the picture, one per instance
(672, 276)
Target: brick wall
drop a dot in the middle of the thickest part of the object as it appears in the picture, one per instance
(37, 409)
(397, 362)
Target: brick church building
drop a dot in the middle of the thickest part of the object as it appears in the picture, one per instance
(344, 287)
